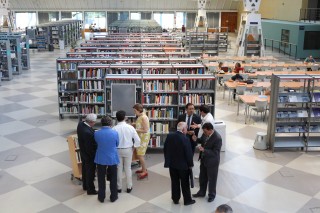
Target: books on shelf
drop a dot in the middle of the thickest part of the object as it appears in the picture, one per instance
(195, 84)
(91, 85)
(69, 98)
(155, 142)
(99, 110)
(69, 75)
(91, 73)
(69, 109)
(159, 128)
(68, 86)
(196, 99)
(159, 85)
(158, 99)
(67, 66)
(190, 71)
(160, 113)
(92, 97)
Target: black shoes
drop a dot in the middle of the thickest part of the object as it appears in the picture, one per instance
(176, 202)
(210, 199)
(92, 193)
(129, 190)
(101, 200)
(190, 203)
(197, 195)
(113, 199)
(119, 190)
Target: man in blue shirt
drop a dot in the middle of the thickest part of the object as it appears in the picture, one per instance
(107, 158)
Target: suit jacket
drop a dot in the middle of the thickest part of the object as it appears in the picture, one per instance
(195, 119)
(108, 141)
(210, 157)
(177, 151)
(87, 144)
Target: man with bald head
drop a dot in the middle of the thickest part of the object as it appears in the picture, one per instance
(178, 158)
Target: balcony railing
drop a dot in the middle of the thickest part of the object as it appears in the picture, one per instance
(283, 47)
(310, 14)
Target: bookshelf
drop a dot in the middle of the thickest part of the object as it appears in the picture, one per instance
(294, 114)
(67, 84)
(164, 97)
(91, 89)
(197, 43)
(5, 60)
(75, 158)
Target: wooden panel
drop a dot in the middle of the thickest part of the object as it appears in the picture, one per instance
(229, 19)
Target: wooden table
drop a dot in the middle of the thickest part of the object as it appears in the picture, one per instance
(250, 100)
(232, 85)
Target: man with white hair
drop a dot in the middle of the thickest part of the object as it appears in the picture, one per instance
(88, 149)
(178, 157)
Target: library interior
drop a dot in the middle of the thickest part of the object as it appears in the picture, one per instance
(141, 99)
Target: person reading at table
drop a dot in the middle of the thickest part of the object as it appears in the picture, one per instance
(236, 77)
(309, 59)
(237, 68)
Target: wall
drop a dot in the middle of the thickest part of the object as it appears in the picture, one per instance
(272, 30)
(286, 10)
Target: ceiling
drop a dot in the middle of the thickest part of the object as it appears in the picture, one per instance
(134, 5)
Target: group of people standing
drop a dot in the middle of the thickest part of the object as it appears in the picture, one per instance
(109, 151)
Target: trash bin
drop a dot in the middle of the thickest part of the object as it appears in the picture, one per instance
(220, 127)
(51, 48)
(260, 141)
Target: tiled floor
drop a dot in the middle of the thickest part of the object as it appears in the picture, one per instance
(35, 165)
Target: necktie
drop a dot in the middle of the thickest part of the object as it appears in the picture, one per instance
(188, 122)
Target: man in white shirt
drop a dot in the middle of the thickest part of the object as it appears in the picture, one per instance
(126, 133)
(206, 117)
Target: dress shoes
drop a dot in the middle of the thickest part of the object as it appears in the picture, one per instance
(113, 199)
(197, 195)
(101, 200)
(129, 190)
(92, 193)
(119, 190)
(176, 201)
(190, 203)
(210, 199)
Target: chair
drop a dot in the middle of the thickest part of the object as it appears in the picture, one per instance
(256, 89)
(245, 76)
(278, 68)
(261, 77)
(240, 89)
(247, 68)
(260, 107)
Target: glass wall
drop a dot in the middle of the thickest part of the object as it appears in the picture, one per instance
(166, 20)
(140, 15)
(98, 18)
(135, 16)
(25, 19)
(190, 20)
(213, 19)
(180, 19)
(45, 17)
(71, 15)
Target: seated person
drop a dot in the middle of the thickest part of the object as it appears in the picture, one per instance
(220, 71)
(309, 59)
(236, 77)
(237, 68)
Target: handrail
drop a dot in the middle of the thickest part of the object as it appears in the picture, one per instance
(310, 14)
(285, 47)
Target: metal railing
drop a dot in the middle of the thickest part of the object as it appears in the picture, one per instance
(283, 47)
(310, 14)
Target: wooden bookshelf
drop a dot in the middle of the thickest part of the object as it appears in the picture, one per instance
(75, 158)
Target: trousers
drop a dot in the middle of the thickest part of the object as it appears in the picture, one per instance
(125, 157)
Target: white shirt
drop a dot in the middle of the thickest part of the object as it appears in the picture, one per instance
(126, 133)
(206, 119)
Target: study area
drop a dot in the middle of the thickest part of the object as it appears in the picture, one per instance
(160, 106)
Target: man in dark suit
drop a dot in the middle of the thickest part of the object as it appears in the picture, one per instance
(190, 118)
(88, 149)
(209, 157)
(178, 158)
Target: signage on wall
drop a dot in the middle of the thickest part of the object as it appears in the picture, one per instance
(301, 27)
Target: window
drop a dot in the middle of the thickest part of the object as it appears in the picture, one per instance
(135, 16)
(180, 19)
(165, 20)
(311, 40)
(45, 17)
(98, 18)
(71, 15)
(26, 19)
(285, 35)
